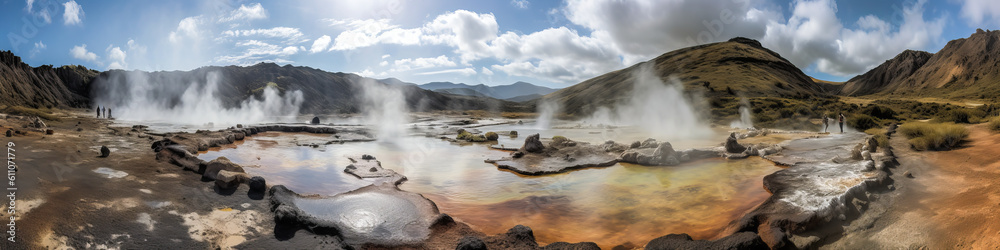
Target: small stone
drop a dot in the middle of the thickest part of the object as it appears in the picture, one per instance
(517, 154)
(105, 151)
(315, 120)
(10, 133)
(471, 243)
(908, 174)
(367, 157)
(257, 184)
(49, 131)
(373, 169)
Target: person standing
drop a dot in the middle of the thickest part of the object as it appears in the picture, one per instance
(841, 123)
(109, 113)
(98, 111)
(826, 123)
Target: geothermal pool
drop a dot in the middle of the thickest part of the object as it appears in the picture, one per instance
(622, 204)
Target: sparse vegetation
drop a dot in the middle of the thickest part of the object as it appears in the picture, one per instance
(933, 136)
(45, 114)
(559, 139)
(880, 136)
(862, 122)
(961, 115)
(994, 124)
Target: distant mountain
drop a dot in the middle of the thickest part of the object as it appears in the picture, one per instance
(524, 98)
(462, 91)
(44, 86)
(741, 65)
(499, 92)
(323, 92)
(964, 69)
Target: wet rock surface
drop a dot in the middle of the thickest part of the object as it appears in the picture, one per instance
(742, 240)
(367, 167)
(380, 215)
(822, 184)
(652, 153)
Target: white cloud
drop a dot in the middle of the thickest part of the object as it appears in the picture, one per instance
(257, 51)
(30, 3)
(187, 28)
(383, 63)
(320, 44)
(73, 14)
(80, 52)
(486, 71)
(290, 35)
(521, 4)
(246, 13)
(464, 72)
(134, 47)
(386, 56)
(116, 57)
(468, 31)
(814, 36)
(44, 13)
(422, 63)
(39, 46)
(980, 12)
(368, 32)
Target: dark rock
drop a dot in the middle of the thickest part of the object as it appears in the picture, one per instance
(732, 146)
(908, 174)
(257, 184)
(105, 151)
(532, 144)
(572, 246)
(517, 154)
(513, 134)
(522, 233)
(635, 144)
(49, 131)
(220, 164)
(367, 157)
(315, 120)
(665, 154)
(239, 125)
(229, 179)
(471, 243)
(492, 136)
(741, 240)
(648, 143)
(10, 133)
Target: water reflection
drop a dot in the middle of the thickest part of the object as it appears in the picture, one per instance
(611, 206)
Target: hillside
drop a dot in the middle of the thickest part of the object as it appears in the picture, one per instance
(516, 89)
(741, 65)
(964, 69)
(323, 92)
(43, 86)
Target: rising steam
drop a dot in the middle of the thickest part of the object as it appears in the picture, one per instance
(136, 96)
(384, 109)
(659, 108)
(745, 121)
(547, 110)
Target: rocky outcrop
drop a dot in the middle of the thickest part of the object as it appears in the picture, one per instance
(315, 121)
(732, 146)
(532, 144)
(43, 86)
(367, 167)
(652, 153)
(214, 167)
(230, 179)
(560, 156)
(741, 240)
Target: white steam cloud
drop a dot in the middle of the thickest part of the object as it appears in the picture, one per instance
(659, 108)
(547, 110)
(384, 109)
(745, 121)
(136, 96)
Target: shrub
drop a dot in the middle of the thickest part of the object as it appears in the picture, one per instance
(879, 112)
(880, 137)
(933, 136)
(862, 122)
(961, 116)
(463, 135)
(786, 113)
(559, 139)
(492, 136)
(25, 111)
(477, 138)
(994, 124)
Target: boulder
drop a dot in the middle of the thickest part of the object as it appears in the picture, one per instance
(105, 151)
(532, 144)
(49, 131)
(492, 136)
(741, 240)
(521, 233)
(315, 120)
(471, 243)
(10, 133)
(229, 179)
(635, 144)
(732, 146)
(648, 143)
(257, 184)
(213, 167)
(665, 154)
(512, 134)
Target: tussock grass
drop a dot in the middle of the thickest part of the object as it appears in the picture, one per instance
(45, 114)
(880, 137)
(933, 136)
(994, 124)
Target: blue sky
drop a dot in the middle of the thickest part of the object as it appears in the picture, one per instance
(550, 43)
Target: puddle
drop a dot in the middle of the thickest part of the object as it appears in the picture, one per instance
(110, 173)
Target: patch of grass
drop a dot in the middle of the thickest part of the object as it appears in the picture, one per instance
(933, 136)
(994, 124)
(45, 114)
(862, 122)
(880, 137)
(558, 139)
(517, 115)
(961, 115)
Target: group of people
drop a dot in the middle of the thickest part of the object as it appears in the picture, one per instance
(826, 122)
(103, 110)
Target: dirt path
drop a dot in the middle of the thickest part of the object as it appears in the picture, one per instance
(952, 201)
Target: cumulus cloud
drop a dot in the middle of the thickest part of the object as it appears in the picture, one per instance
(468, 31)
(289, 35)
(520, 4)
(30, 3)
(245, 13)
(320, 44)
(486, 71)
(255, 51)
(980, 12)
(368, 32)
(80, 52)
(814, 36)
(464, 72)
(116, 57)
(187, 28)
(422, 63)
(73, 14)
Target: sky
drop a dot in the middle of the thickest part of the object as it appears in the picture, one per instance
(549, 43)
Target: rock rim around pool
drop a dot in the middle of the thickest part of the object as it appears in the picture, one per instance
(559, 156)
(367, 167)
(374, 215)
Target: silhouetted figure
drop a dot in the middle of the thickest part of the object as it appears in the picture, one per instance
(841, 123)
(109, 113)
(826, 123)
(98, 111)
(105, 110)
